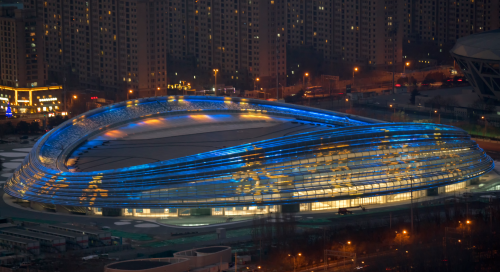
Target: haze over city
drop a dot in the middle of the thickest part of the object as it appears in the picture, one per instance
(256, 135)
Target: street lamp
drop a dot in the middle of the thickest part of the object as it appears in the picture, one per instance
(404, 69)
(439, 115)
(304, 80)
(256, 79)
(354, 70)
(485, 123)
(215, 71)
(129, 92)
(158, 90)
(289, 255)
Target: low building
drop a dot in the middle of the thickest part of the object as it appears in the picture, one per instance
(150, 265)
(206, 256)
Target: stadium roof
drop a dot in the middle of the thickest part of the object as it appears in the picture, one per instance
(484, 45)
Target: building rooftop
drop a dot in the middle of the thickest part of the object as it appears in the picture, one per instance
(484, 45)
(137, 265)
(211, 249)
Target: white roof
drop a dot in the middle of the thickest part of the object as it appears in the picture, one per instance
(484, 45)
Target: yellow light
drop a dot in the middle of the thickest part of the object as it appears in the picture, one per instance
(482, 117)
(158, 88)
(435, 111)
(356, 69)
(346, 100)
(404, 231)
(74, 96)
(300, 254)
(258, 79)
(307, 74)
(468, 222)
(130, 91)
(391, 106)
(407, 64)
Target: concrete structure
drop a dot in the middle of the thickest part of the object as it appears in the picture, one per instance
(478, 56)
(49, 243)
(196, 155)
(98, 237)
(18, 244)
(73, 239)
(150, 265)
(206, 256)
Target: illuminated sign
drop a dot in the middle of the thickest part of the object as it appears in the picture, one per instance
(48, 99)
(23, 101)
(3, 98)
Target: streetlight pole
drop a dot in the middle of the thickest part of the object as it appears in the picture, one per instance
(411, 203)
(216, 70)
(256, 79)
(158, 90)
(404, 67)
(129, 92)
(300, 254)
(304, 81)
(354, 70)
(485, 122)
(439, 116)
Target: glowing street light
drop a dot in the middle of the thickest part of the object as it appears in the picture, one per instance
(289, 255)
(216, 71)
(439, 116)
(354, 70)
(304, 80)
(256, 79)
(129, 92)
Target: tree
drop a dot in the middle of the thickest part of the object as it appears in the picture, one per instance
(438, 102)
(22, 127)
(295, 98)
(34, 127)
(480, 104)
(414, 93)
(9, 128)
(57, 120)
(434, 77)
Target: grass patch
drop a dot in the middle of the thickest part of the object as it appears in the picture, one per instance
(315, 221)
(179, 241)
(130, 235)
(238, 233)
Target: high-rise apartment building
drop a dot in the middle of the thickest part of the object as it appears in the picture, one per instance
(121, 45)
(240, 38)
(21, 48)
(446, 21)
(111, 45)
(352, 31)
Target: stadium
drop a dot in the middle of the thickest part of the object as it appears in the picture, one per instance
(478, 56)
(197, 155)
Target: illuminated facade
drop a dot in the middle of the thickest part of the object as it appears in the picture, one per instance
(350, 161)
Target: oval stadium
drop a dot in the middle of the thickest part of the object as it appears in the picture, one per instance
(200, 155)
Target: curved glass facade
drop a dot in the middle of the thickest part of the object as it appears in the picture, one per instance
(352, 158)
